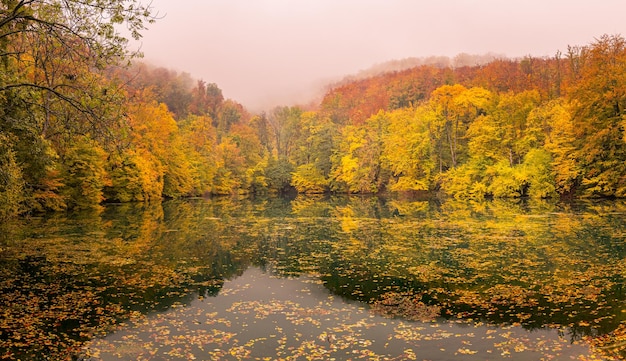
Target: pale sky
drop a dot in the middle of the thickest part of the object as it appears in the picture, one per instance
(264, 53)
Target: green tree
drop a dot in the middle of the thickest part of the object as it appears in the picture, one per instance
(11, 181)
(278, 175)
(313, 152)
(308, 179)
(539, 174)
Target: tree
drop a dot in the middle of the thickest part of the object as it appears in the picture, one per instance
(598, 101)
(154, 130)
(206, 99)
(11, 182)
(136, 175)
(261, 126)
(506, 155)
(560, 142)
(53, 56)
(511, 116)
(313, 152)
(455, 107)
(284, 127)
(84, 174)
(201, 139)
(253, 155)
(358, 164)
(539, 174)
(174, 89)
(407, 150)
(278, 175)
(229, 114)
(81, 31)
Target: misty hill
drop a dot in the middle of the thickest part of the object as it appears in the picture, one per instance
(394, 65)
(408, 82)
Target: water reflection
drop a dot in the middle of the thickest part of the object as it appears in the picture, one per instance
(258, 316)
(67, 278)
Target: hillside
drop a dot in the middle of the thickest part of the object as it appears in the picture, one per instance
(531, 127)
(357, 98)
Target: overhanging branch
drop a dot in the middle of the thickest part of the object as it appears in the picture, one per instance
(69, 100)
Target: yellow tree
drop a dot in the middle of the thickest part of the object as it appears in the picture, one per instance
(200, 136)
(153, 129)
(455, 108)
(506, 132)
(358, 165)
(560, 142)
(598, 104)
(229, 167)
(253, 154)
(446, 126)
(408, 150)
(84, 174)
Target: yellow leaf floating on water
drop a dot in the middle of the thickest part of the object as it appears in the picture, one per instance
(466, 351)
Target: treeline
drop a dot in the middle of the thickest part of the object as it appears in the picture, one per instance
(548, 127)
(79, 129)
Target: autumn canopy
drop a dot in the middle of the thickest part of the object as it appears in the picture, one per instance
(80, 125)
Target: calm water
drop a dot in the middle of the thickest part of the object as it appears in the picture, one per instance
(354, 278)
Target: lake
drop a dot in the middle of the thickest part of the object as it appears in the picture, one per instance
(317, 278)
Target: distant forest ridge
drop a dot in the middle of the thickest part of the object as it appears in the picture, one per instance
(458, 61)
(78, 128)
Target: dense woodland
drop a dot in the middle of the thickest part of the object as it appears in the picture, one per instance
(81, 125)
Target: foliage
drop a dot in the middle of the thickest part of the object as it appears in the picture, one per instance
(11, 183)
(358, 164)
(308, 179)
(316, 141)
(230, 166)
(135, 176)
(278, 175)
(538, 173)
(539, 128)
(84, 174)
(53, 91)
(598, 108)
(408, 150)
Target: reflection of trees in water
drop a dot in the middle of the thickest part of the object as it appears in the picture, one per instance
(536, 264)
(72, 277)
(66, 277)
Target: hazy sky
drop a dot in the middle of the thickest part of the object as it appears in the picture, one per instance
(263, 53)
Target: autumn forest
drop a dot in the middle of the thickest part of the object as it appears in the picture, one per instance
(83, 122)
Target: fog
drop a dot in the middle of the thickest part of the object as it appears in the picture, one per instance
(263, 53)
